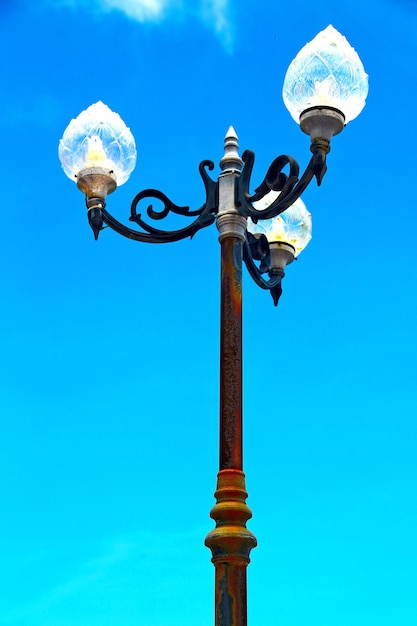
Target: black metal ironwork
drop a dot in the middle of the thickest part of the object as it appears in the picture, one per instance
(256, 248)
(289, 185)
(205, 215)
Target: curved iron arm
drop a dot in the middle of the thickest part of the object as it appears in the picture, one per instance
(289, 185)
(257, 249)
(205, 215)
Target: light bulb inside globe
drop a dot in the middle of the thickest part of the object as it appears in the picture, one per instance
(95, 156)
(292, 228)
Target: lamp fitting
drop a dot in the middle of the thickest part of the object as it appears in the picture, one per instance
(281, 254)
(96, 182)
(322, 123)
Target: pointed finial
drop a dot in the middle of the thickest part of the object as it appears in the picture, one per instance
(231, 161)
(95, 219)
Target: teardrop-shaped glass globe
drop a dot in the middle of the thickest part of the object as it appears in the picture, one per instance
(327, 72)
(293, 226)
(98, 138)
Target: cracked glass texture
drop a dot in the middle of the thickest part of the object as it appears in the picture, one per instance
(98, 137)
(326, 72)
(293, 226)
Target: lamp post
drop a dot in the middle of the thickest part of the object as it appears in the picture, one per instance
(325, 87)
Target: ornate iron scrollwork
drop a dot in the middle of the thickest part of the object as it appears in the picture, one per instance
(289, 186)
(205, 215)
(255, 248)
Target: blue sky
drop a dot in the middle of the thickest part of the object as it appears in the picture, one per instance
(109, 369)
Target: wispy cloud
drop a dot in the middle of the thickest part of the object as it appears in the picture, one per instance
(215, 14)
(140, 10)
(126, 570)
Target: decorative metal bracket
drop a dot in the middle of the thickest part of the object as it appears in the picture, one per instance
(255, 248)
(289, 185)
(205, 215)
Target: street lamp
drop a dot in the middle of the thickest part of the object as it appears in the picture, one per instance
(324, 88)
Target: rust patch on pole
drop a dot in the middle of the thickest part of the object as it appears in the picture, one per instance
(231, 354)
(230, 541)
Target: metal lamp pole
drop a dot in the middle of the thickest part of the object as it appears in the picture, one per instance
(230, 542)
(261, 230)
(229, 203)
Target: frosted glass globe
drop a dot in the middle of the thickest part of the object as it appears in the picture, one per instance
(98, 137)
(326, 72)
(293, 226)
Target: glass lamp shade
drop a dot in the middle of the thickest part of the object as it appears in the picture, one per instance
(293, 226)
(98, 138)
(327, 72)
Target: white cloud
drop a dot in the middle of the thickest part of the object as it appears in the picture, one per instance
(215, 14)
(140, 10)
(216, 11)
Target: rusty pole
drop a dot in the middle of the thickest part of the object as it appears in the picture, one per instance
(230, 541)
